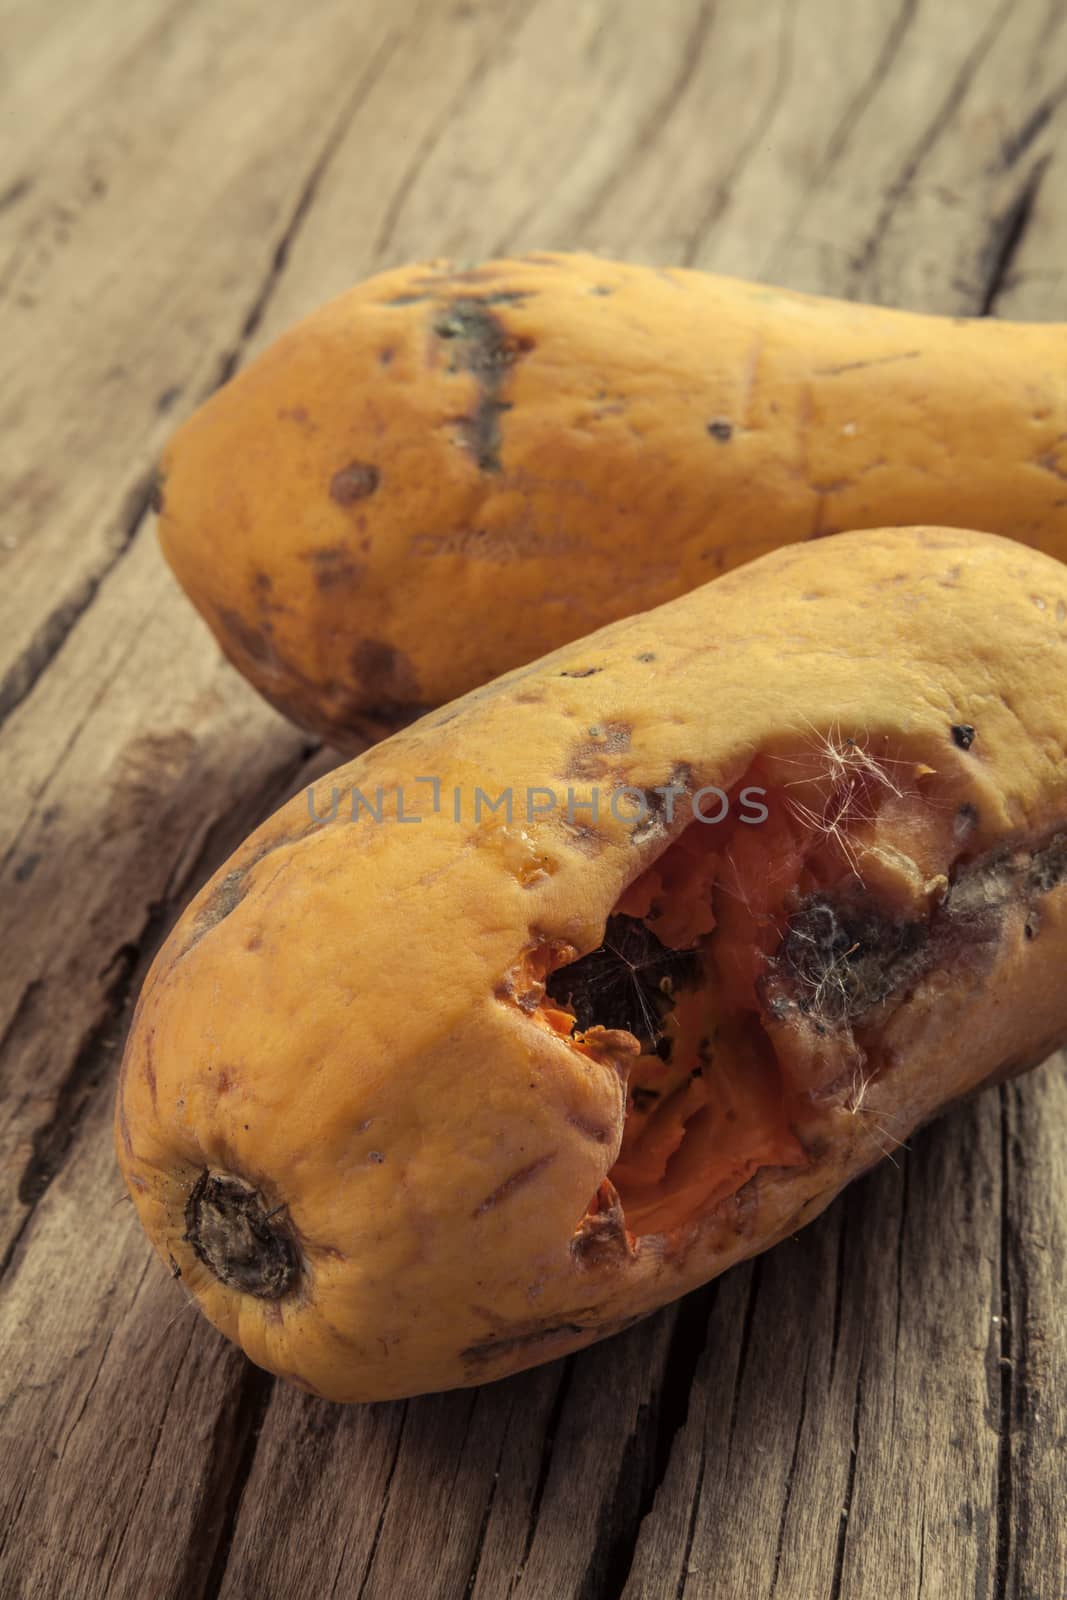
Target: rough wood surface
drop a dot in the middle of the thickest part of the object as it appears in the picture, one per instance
(877, 1408)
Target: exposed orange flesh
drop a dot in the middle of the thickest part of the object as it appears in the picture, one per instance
(715, 1105)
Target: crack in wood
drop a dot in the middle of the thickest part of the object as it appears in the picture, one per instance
(652, 124)
(483, 1527)
(755, 1278)
(1005, 237)
(690, 1535)
(770, 108)
(846, 1509)
(1002, 1550)
(790, 1477)
(230, 1461)
(369, 1568)
(432, 138)
(544, 1467)
(839, 1295)
(928, 140)
(164, 1412)
(26, 671)
(901, 1230)
(843, 128)
(687, 1345)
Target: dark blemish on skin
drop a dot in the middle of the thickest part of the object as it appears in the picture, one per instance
(580, 672)
(966, 819)
(385, 356)
(600, 288)
(384, 673)
(232, 890)
(149, 1070)
(252, 642)
(226, 898)
(516, 1181)
(354, 482)
(223, 1083)
(167, 399)
(646, 655)
(605, 739)
(482, 347)
(333, 567)
(262, 584)
(124, 1126)
(26, 867)
(720, 429)
(246, 1245)
(589, 840)
(963, 734)
(407, 300)
(155, 493)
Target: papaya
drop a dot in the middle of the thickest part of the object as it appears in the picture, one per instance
(612, 973)
(445, 473)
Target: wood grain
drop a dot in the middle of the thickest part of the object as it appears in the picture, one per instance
(875, 1408)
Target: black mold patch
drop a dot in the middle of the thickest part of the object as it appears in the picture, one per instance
(837, 961)
(1048, 867)
(628, 983)
(720, 429)
(963, 734)
(247, 1247)
(484, 348)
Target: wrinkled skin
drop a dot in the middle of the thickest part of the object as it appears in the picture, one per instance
(355, 1111)
(443, 474)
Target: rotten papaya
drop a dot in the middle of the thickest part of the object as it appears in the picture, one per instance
(443, 473)
(614, 972)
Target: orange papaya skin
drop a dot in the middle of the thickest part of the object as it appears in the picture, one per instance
(393, 1141)
(445, 473)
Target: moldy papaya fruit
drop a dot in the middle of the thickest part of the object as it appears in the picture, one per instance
(426, 1086)
(443, 473)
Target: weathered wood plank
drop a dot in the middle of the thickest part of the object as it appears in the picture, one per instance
(913, 154)
(219, 116)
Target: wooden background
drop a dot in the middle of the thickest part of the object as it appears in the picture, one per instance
(877, 1408)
